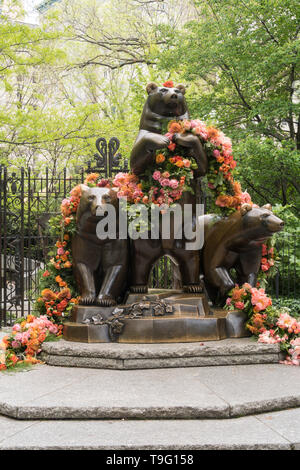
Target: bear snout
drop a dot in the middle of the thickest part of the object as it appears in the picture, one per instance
(274, 224)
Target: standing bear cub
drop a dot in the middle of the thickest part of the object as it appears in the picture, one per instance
(100, 265)
(163, 104)
(235, 242)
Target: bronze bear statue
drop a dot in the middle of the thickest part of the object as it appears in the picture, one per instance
(100, 265)
(163, 104)
(235, 242)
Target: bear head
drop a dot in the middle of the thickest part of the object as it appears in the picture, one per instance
(93, 199)
(166, 101)
(259, 223)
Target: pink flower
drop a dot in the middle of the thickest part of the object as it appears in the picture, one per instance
(239, 305)
(228, 301)
(173, 184)
(186, 163)
(216, 153)
(245, 198)
(187, 124)
(60, 251)
(172, 146)
(285, 321)
(264, 250)
(16, 327)
(156, 175)
(164, 182)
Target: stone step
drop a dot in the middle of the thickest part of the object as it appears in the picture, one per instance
(150, 356)
(272, 431)
(52, 393)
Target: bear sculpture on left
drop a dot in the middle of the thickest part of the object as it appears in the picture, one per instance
(100, 265)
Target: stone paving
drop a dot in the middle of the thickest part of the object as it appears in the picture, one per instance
(46, 392)
(279, 430)
(227, 407)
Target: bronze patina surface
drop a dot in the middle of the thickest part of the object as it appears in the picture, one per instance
(100, 266)
(162, 316)
(235, 242)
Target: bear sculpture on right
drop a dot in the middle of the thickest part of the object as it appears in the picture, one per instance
(235, 242)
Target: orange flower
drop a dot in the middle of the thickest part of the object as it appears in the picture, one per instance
(30, 318)
(92, 177)
(76, 192)
(48, 294)
(179, 163)
(160, 158)
(58, 279)
(64, 293)
(174, 127)
(66, 236)
(212, 132)
(237, 188)
(67, 264)
(169, 84)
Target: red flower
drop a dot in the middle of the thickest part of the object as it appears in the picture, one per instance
(169, 84)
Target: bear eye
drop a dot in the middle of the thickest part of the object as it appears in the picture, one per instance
(163, 90)
(264, 216)
(91, 197)
(177, 91)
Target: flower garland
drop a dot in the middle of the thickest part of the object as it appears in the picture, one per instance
(267, 324)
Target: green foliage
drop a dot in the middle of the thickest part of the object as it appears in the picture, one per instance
(292, 304)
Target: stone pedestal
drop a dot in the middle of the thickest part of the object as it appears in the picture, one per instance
(188, 318)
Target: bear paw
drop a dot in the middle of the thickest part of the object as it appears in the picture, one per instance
(88, 299)
(105, 301)
(139, 289)
(193, 288)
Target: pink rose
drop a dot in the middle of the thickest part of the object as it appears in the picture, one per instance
(164, 182)
(173, 184)
(156, 175)
(239, 305)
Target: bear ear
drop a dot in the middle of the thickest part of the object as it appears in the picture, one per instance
(181, 88)
(84, 187)
(267, 206)
(245, 208)
(151, 87)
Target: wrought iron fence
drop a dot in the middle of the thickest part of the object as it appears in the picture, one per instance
(28, 200)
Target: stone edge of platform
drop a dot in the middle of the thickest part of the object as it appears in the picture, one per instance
(123, 351)
(226, 411)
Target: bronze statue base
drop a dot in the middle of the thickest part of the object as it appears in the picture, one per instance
(191, 320)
